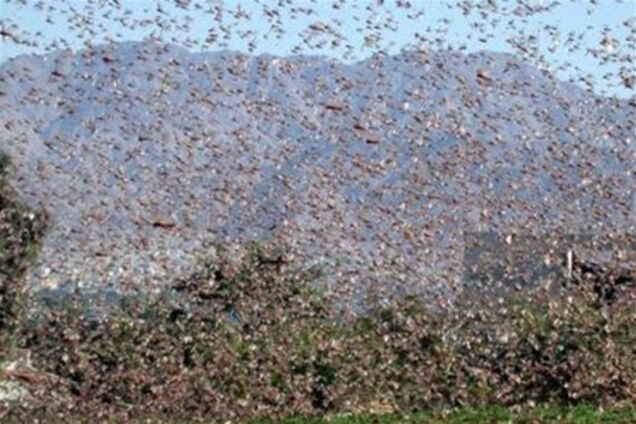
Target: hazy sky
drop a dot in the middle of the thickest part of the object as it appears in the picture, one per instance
(585, 23)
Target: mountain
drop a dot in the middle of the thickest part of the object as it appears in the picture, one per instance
(144, 152)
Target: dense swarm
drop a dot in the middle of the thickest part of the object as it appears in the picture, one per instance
(20, 231)
(158, 150)
(248, 336)
(461, 199)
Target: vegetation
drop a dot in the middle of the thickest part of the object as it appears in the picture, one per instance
(538, 415)
(20, 231)
(249, 336)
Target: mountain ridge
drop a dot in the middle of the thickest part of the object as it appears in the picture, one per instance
(381, 164)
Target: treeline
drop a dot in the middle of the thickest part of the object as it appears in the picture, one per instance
(245, 338)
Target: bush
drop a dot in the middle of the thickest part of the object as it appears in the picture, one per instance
(248, 335)
(20, 231)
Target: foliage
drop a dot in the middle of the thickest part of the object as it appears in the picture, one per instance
(20, 230)
(247, 336)
(537, 415)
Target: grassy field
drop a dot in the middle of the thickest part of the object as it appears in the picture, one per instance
(578, 415)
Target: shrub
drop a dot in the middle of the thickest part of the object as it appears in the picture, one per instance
(20, 231)
(248, 335)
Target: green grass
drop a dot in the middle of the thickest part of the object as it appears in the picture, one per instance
(548, 414)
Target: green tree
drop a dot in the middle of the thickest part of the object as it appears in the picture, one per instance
(20, 230)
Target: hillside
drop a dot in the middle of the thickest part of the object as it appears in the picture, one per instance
(144, 152)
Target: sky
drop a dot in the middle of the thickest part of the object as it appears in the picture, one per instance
(355, 29)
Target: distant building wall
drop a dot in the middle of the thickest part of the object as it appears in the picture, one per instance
(497, 263)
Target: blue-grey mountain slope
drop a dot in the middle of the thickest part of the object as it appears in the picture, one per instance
(142, 152)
